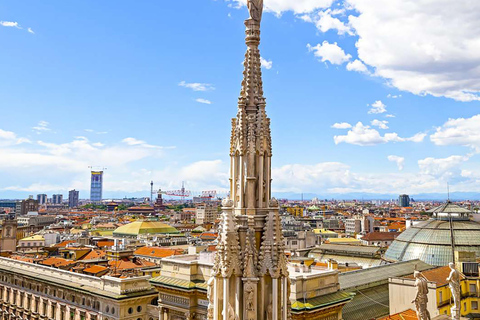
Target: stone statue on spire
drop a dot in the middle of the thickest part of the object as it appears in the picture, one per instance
(256, 9)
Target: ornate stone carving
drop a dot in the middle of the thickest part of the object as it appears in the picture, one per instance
(256, 9)
(454, 284)
(421, 298)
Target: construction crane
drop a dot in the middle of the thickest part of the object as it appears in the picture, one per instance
(209, 195)
(177, 193)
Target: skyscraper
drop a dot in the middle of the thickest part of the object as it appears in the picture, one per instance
(42, 198)
(73, 196)
(57, 198)
(404, 201)
(96, 186)
(250, 275)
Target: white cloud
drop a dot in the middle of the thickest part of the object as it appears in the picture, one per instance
(400, 161)
(196, 86)
(267, 64)
(342, 125)
(326, 22)
(204, 101)
(461, 132)
(329, 52)
(358, 66)
(394, 96)
(42, 126)
(9, 138)
(389, 116)
(30, 31)
(9, 24)
(440, 167)
(136, 142)
(382, 124)
(363, 135)
(421, 46)
(377, 107)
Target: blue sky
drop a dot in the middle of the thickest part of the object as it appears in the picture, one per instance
(147, 89)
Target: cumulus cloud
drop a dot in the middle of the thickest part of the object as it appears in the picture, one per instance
(400, 161)
(460, 132)
(329, 52)
(364, 135)
(358, 66)
(377, 107)
(342, 125)
(30, 31)
(382, 124)
(439, 167)
(267, 64)
(326, 22)
(197, 86)
(204, 101)
(421, 46)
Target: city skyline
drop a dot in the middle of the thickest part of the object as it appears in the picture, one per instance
(120, 92)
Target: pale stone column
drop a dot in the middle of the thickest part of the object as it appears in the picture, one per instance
(160, 313)
(261, 307)
(165, 314)
(274, 299)
(225, 298)
(237, 295)
(285, 298)
(215, 299)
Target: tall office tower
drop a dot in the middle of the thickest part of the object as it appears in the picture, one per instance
(96, 186)
(250, 275)
(42, 198)
(73, 196)
(57, 198)
(404, 200)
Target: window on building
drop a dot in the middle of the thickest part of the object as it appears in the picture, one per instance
(473, 288)
(441, 296)
(474, 305)
(139, 309)
(130, 310)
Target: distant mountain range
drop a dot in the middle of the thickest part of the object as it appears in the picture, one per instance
(454, 196)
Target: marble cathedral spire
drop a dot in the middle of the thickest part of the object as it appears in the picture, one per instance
(250, 276)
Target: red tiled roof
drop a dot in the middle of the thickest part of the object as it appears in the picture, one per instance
(404, 315)
(105, 243)
(64, 244)
(158, 252)
(56, 262)
(94, 254)
(95, 269)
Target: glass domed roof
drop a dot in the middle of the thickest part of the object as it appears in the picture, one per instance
(431, 242)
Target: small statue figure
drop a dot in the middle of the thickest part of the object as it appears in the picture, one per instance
(454, 284)
(421, 299)
(255, 7)
(269, 312)
(210, 297)
(230, 313)
(249, 290)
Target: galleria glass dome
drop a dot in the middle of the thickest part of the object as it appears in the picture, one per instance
(431, 241)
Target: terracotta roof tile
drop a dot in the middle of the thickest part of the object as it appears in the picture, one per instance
(404, 315)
